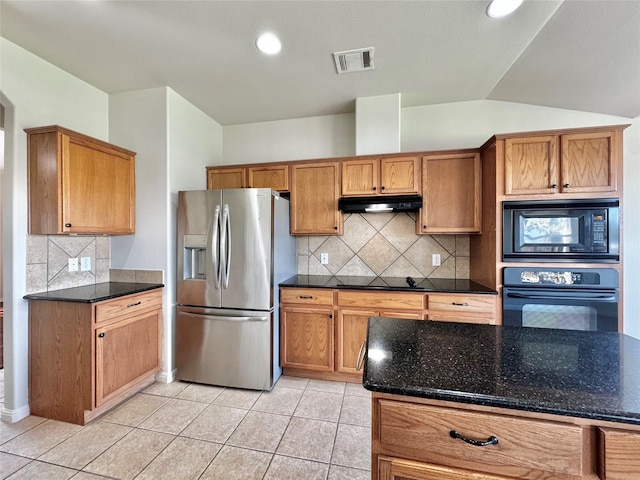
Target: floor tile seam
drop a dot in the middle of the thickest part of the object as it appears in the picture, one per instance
(202, 412)
(210, 461)
(301, 458)
(335, 436)
(49, 463)
(37, 457)
(105, 419)
(280, 441)
(172, 433)
(25, 431)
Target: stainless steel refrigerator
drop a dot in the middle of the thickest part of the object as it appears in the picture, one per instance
(234, 247)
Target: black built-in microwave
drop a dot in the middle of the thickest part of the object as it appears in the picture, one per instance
(586, 231)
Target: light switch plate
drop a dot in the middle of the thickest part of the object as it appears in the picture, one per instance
(85, 264)
(73, 264)
(324, 258)
(435, 260)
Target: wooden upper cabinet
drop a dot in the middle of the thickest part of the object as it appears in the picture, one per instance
(225, 178)
(272, 176)
(78, 184)
(385, 176)
(315, 190)
(531, 165)
(587, 162)
(451, 194)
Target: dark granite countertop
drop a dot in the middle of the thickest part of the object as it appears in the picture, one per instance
(94, 293)
(441, 285)
(564, 372)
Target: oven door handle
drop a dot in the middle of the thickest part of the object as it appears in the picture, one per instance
(564, 296)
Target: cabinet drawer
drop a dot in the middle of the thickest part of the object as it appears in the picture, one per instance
(462, 303)
(307, 296)
(423, 433)
(620, 458)
(452, 317)
(128, 305)
(381, 300)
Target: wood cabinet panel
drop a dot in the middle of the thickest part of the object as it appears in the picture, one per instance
(422, 432)
(360, 177)
(465, 304)
(351, 333)
(309, 296)
(380, 300)
(399, 175)
(125, 351)
(451, 194)
(78, 184)
(315, 190)
(589, 162)
(531, 165)
(274, 176)
(218, 178)
(390, 468)
(129, 305)
(307, 338)
(620, 454)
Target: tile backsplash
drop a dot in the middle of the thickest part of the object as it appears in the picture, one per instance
(384, 244)
(48, 261)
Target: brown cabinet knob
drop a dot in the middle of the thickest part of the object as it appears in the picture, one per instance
(335, 228)
(554, 185)
(375, 188)
(382, 187)
(67, 225)
(566, 185)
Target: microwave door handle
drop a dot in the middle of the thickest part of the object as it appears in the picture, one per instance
(563, 296)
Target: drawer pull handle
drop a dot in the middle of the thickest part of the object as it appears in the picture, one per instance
(476, 443)
(134, 304)
(306, 296)
(465, 304)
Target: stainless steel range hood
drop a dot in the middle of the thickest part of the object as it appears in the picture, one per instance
(380, 203)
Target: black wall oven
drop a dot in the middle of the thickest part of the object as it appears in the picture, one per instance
(564, 298)
(585, 231)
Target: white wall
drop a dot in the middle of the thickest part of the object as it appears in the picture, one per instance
(312, 137)
(174, 141)
(34, 93)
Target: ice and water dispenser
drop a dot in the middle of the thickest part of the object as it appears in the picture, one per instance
(195, 255)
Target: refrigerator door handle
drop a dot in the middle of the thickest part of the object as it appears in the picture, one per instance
(215, 237)
(225, 318)
(226, 241)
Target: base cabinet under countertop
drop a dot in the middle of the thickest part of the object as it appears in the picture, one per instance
(412, 440)
(85, 358)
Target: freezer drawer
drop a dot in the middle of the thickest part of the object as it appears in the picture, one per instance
(227, 348)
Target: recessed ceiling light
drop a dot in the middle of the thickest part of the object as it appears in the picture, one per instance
(502, 8)
(268, 43)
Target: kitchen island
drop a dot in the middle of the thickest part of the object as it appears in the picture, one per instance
(455, 400)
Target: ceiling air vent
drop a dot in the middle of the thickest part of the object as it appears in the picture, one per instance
(354, 60)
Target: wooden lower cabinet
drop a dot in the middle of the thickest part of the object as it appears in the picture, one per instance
(390, 468)
(307, 338)
(454, 307)
(619, 454)
(85, 358)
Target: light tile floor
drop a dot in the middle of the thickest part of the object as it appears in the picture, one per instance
(303, 429)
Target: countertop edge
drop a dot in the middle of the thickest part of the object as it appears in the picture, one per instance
(59, 295)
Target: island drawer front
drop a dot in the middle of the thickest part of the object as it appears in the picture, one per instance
(307, 296)
(620, 454)
(381, 300)
(128, 305)
(462, 303)
(423, 433)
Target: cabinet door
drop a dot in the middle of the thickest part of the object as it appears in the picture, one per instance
(126, 351)
(225, 178)
(275, 176)
(352, 331)
(398, 469)
(315, 189)
(451, 194)
(400, 175)
(98, 189)
(307, 338)
(619, 454)
(531, 165)
(360, 177)
(589, 162)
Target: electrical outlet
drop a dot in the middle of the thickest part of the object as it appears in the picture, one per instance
(435, 260)
(73, 264)
(324, 258)
(85, 264)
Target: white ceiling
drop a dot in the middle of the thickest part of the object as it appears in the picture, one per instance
(577, 54)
